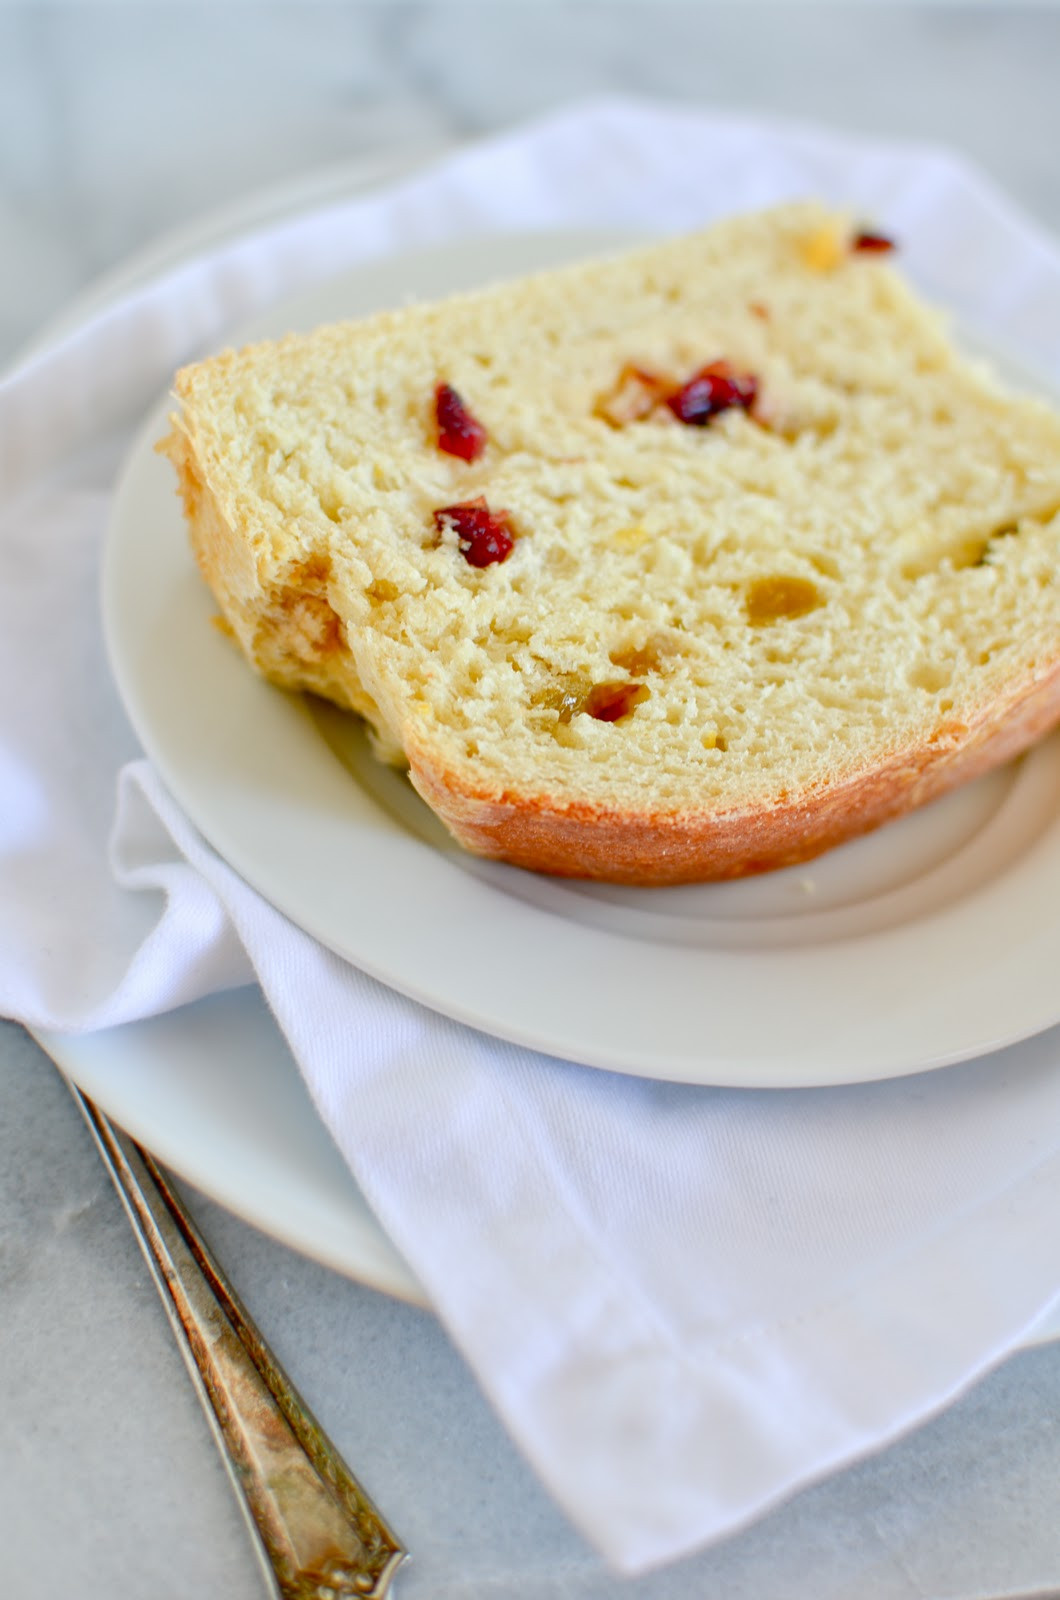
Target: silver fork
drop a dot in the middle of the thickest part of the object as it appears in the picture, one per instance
(316, 1532)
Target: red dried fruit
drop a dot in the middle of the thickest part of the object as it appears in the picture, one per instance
(712, 390)
(459, 432)
(483, 534)
(608, 702)
(872, 243)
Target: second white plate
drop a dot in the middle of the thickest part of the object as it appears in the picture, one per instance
(932, 941)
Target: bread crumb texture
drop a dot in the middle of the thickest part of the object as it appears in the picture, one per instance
(711, 648)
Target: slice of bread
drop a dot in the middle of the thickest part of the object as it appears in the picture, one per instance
(624, 625)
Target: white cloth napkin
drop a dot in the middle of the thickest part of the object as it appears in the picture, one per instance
(684, 1303)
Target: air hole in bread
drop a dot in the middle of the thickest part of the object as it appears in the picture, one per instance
(630, 537)
(638, 659)
(950, 558)
(332, 506)
(560, 561)
(826, 565)
(613, 702)
(312, 629)
(798, 429)
(974, 550)
(833, 697)
(931, 676)
(990, 548)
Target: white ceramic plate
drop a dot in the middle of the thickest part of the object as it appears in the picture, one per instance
(934, 940)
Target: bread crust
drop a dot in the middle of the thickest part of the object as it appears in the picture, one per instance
(544, 834)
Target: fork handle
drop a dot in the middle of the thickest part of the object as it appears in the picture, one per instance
(318, 1535)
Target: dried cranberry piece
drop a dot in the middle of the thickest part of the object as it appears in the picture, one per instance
(872, 243)
(483, 534)
(712, 390)
(459, 433)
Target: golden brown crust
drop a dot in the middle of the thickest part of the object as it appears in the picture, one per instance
(651, 848)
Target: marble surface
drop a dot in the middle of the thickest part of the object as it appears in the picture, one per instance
(118, 123)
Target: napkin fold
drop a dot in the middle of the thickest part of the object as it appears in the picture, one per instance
(685, 1303)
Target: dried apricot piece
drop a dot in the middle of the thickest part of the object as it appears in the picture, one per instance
(635, 395)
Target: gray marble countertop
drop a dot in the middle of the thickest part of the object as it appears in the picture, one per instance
(117, 124)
